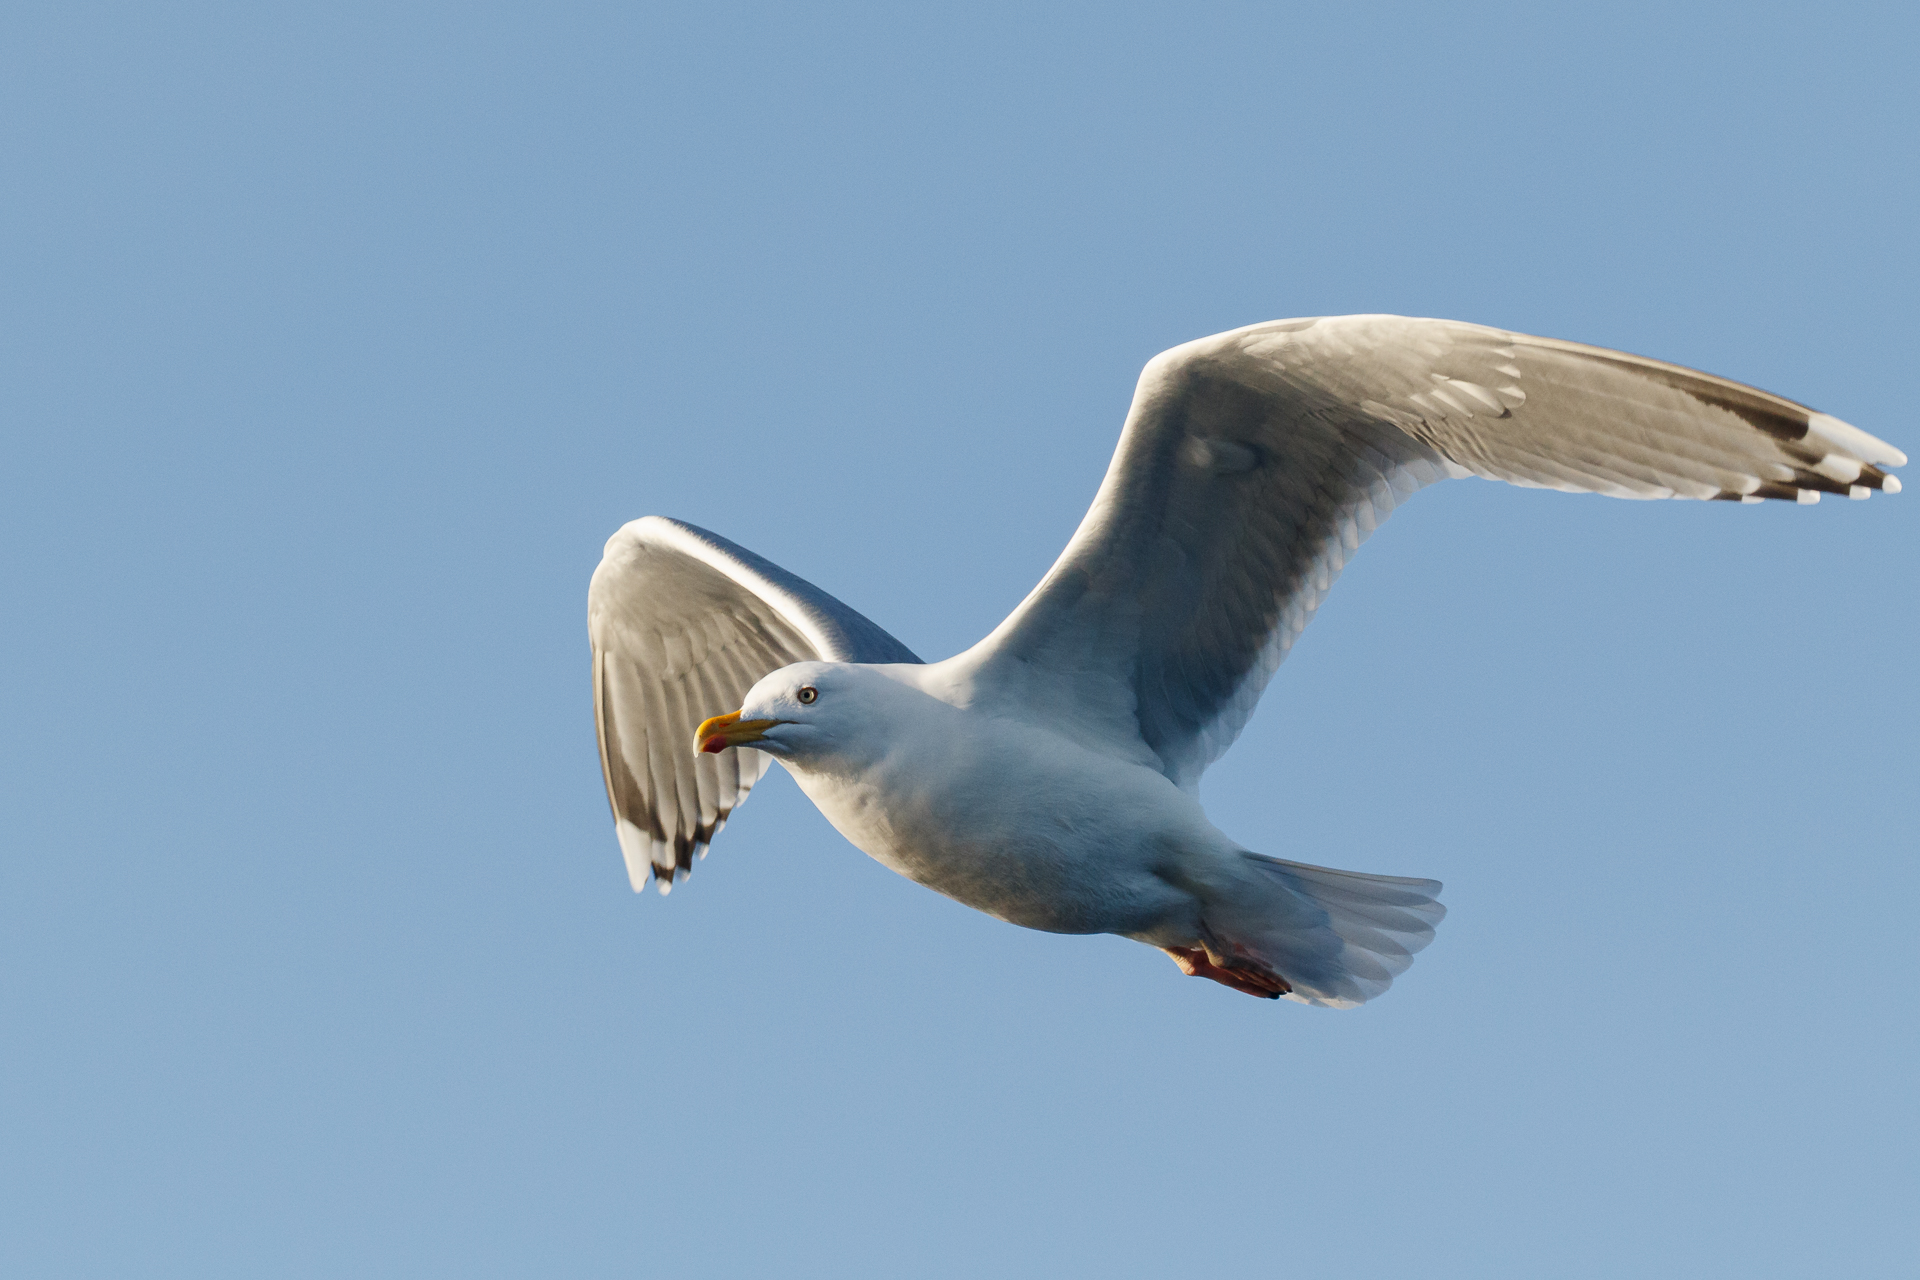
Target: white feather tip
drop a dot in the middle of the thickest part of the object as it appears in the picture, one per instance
(1844, 437)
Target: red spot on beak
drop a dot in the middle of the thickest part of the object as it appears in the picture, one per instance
(720, 732)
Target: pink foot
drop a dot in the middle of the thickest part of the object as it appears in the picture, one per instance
(1241, 974)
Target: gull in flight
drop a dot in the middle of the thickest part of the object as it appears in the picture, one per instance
(1049, 774)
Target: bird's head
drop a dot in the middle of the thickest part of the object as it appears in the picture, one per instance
(809, 709)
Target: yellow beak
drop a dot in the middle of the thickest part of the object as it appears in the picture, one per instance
(720, 732)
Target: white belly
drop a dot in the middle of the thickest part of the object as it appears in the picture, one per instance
(1025, 826)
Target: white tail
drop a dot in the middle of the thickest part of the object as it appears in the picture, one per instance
(1339, 937)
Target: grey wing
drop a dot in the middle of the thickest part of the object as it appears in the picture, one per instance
(683, 623)
(1254, 463)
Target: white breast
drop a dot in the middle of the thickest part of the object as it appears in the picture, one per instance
(1015, 821)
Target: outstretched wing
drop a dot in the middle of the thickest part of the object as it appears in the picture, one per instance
(1254, 463)
(683, 623)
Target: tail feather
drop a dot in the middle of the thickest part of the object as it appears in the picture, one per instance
(1340, 937)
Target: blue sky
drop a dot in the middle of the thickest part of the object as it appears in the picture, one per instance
(338, 339)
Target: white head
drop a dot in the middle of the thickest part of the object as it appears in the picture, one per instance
(807, 713)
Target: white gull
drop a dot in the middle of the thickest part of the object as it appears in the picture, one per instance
(1048, 775)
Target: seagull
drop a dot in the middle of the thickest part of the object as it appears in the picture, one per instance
(1049, 775)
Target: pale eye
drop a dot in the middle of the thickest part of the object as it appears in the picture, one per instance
(807, 693)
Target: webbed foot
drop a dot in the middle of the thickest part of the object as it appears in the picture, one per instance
(1241, 973)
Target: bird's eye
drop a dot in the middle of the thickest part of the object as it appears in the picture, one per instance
(807, 693)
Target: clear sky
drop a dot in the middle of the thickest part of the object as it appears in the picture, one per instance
(338, 338)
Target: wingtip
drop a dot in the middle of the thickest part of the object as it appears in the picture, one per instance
(1851, 440)
(637, 852)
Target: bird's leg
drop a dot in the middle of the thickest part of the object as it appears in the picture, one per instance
(1240, 973)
